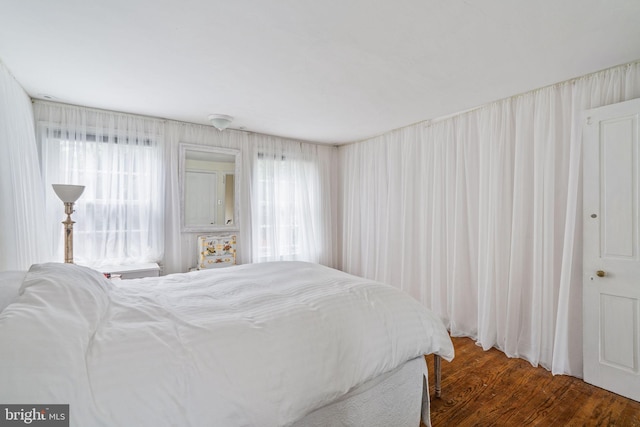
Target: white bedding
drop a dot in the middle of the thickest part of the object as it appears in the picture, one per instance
(251, 345)
(10, 282)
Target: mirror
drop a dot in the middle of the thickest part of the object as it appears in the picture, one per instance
(209, 188)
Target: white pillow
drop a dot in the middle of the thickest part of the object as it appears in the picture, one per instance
(10, 282)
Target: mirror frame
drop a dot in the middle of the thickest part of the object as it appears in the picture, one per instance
(236, 181)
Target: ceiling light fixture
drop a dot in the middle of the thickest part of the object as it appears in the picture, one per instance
(220, 121)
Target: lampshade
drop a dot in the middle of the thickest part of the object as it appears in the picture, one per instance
(68, 193)
(220, 121)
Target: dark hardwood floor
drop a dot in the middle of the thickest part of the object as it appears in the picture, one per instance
(488, 389)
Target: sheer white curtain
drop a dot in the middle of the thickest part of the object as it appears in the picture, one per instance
(479, 216)
(119, 158)
(292, 196)
(21, 195)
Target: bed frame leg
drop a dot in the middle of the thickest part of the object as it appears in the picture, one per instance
(437, 365)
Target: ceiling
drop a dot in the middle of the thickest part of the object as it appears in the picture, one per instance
(329, 71)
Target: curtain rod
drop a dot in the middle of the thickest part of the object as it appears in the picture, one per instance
(180, 122)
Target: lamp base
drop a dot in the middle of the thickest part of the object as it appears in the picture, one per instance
(68, 233)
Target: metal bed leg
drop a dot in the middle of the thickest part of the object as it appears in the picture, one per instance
(437, 365)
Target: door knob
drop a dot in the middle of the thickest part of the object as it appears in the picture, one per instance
(600, 273)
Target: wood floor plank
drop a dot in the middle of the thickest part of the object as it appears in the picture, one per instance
(486, 388)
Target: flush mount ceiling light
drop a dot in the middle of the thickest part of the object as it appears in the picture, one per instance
(220, 121)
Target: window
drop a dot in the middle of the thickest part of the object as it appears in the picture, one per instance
(286, 221)
(119, 217)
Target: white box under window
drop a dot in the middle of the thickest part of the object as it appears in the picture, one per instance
(132, 271)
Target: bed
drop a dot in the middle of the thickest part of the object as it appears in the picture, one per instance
(273, 344)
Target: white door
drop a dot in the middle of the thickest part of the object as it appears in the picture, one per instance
(611, 280)
(200, 198)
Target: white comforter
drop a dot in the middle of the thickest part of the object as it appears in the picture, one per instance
(252, 345)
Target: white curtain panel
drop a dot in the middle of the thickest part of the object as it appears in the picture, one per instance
(119, 159)
(293, 192)
(479, 216)
(21, 195)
